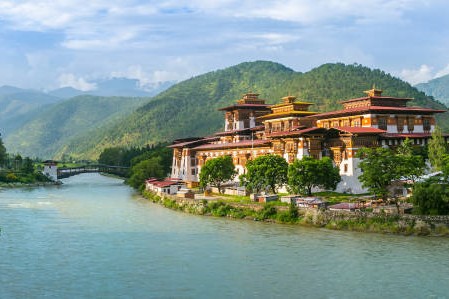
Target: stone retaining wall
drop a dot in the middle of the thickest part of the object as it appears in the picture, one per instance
(421, 224)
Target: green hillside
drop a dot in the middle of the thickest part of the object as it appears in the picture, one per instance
(83, 126)
(438, 88)
(49, 130)
(17, 106)
(190, 107)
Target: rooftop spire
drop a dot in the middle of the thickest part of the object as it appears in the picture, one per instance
(373, 92)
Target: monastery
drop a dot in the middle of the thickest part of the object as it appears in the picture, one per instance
(253, 128)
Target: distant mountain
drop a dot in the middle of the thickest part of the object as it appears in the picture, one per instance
(438, 88)
(7, 90)
(18, 105)
(53, 127)
(189, 108)
(66, 92)
(121, 87)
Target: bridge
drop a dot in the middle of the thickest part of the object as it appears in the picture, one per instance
(66, 172)
(56, 173)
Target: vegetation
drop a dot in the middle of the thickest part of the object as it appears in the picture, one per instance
(47, 134)
(308, 172)
(15, 169)
(265, 172)
(438, 88)
(381, 166)
(217, 171)
(273, 213)
(437, 148)
(410, 166)
(431, 197)
(174, 113)
(120, 156)
(145, 169)
(145, 162)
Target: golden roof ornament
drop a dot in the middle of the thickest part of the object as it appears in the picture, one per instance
(374, 92)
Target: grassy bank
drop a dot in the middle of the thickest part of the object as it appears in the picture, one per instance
(274, 212)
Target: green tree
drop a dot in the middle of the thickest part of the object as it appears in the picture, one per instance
(3, 154)
(267, 171)
(437, 148)
(431, 197)
(445, 166)
(217, 171)
(410, 166)
(111, 156)
(309, 172)
(379, 167)
(144, 170)
(27, 166)
(405, 148)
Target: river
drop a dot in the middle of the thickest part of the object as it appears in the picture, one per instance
(93, 237)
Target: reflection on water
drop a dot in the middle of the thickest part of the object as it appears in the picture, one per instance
(93, 237)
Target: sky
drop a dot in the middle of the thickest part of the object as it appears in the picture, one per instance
(47, 44)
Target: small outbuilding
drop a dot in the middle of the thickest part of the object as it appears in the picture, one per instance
(310, 202)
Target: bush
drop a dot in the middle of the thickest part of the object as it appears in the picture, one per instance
(11, 177)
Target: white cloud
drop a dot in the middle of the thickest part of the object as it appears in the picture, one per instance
(104, 43)
(423, 74)
(134, 72)
(442, 72)
(276, 38)
(70, 80)
(415, 76)
(175, 39)
(309, 11)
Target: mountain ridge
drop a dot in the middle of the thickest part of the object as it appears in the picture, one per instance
(438, 88)
(189, 108)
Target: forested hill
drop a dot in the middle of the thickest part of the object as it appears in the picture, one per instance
(190, 108)
(48, 131)
(438, 88)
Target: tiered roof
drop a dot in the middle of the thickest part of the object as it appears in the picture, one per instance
(248, 101)
(288, 107)
(246, 143)
(376, 103)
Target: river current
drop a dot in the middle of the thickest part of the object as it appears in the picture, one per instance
(93, 237)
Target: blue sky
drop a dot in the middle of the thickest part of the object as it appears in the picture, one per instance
(46, 44)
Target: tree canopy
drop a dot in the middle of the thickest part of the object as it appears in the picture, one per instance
(3, 154)
(409, 165)
(431, 197)
(265, 172)
(217, 171)
(437, 148)
(381, 166)
(145, 169)
(309, 172)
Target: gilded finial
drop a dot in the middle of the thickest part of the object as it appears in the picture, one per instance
(374, 92)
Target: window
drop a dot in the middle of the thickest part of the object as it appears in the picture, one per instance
(356, 123)
(400, 126)
(426, 125)
(410, 124)
(382, 122)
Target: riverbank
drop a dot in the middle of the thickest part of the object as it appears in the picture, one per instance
(350, 221)
(28, 185)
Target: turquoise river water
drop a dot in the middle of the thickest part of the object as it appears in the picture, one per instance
(93, 237)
